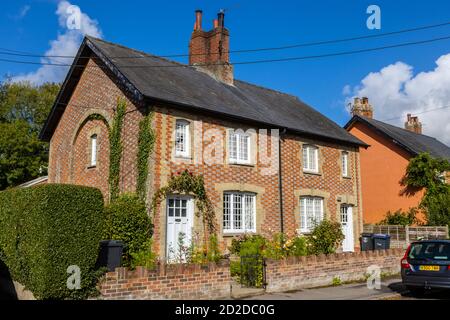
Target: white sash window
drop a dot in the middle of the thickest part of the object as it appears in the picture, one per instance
(239, 147)
(239, 212)
(182, 139)
(310, 158)
(345, 164)
(311, 213)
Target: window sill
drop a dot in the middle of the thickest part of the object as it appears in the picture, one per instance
(91, 167)
(243, 164)
(314, 173)
(183, 157)
(237, 233)
(347, 177)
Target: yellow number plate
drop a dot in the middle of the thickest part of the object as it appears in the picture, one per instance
(429, 268)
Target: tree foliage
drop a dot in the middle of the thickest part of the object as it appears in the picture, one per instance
(400, 218)
(426, 172)
(23, 110)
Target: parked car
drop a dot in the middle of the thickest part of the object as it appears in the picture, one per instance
(426, 265)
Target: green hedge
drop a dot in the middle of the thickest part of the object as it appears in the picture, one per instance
(128, 221)
(46, 229)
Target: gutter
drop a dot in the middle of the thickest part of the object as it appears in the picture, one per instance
(280, 181)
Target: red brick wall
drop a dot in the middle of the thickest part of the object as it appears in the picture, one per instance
(96, 93)
(175, 282)
(315, 271)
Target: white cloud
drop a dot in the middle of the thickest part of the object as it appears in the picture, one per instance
(66, 44)
(23, 11)
(395, 91)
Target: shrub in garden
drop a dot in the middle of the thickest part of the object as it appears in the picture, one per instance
(325, 238)
(145, 257)
(129, 222)
(46, 229)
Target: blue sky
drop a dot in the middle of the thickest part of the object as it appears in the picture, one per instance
(164, 27)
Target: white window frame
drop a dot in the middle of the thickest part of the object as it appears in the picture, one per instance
(235, 156)
(310, 165)
(94, 150)
(183, 149)
(312, 214)
(245, 202)
(345, 164)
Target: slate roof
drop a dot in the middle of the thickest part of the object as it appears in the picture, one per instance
(164, 80)
(412, 142)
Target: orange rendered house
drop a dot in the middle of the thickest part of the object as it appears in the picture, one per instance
(384, 162)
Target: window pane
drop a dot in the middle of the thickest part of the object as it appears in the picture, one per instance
(303, 213)
(305, 158)
(237, 211)
(318, 214)
(310, 213)
(226, 211)
(93, 150)
(344, 214)
(233, 146)
(345, 164)
(243, 147)
(249, 212)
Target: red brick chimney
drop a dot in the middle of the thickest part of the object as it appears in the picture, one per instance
(362, 107)
(413, 124)
(209, 50)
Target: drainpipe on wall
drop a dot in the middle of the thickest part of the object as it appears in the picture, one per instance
(280, 181)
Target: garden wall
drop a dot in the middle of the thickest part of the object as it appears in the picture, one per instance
(175, 282)
(314, 271)
(213, 281)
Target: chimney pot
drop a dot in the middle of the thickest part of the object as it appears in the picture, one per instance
(198, 20)
(221, 18)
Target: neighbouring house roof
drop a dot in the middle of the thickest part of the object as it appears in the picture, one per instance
(152, 77)
(412, 142)
(34, 182)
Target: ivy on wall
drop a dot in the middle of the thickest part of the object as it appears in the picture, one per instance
(146, 143)
(187, 183)
(115, 154)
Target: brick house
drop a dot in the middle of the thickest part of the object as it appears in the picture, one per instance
(384, 162)
(253, 187)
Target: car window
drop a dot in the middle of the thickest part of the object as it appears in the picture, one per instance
(430, 250)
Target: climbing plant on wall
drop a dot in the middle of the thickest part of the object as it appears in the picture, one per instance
(115, 154)
(146, 143)
(187, 183)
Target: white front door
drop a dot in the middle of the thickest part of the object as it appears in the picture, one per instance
(348, 244)
(180, 213)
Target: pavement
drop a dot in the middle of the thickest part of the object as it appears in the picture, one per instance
(391, 289)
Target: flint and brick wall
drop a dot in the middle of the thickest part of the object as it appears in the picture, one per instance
(173, 282)
(315, 271)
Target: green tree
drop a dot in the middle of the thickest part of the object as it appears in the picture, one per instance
(400, 218)
(23, 110)
(426, 172)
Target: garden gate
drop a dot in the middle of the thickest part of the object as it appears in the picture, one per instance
(253, 271)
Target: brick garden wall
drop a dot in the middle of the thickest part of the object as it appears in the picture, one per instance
(173, 282)
(213, 281)
(315, 271)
